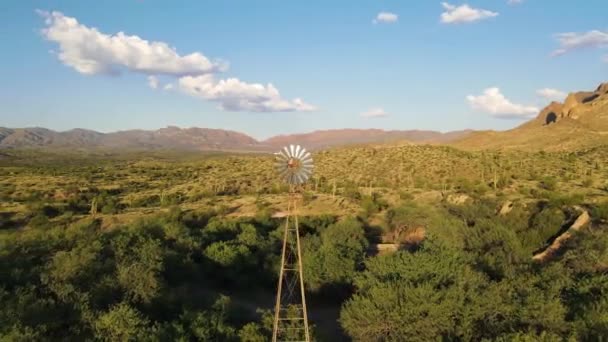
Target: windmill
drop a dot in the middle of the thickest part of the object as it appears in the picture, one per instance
(294, 166)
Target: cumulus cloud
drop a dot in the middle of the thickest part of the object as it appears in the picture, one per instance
(91, 52)
(570, 41)
(374, 113)
(463, 14)
(492, 101)
(551, 94)
(386, 18)
(153, 82)
(235, 95)
(515, 2)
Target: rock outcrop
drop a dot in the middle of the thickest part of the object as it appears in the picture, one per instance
(581, 122)
(457, 198)
(505, 208)
(602, 88)
(572, 106)
(582, 220)
(550, 113)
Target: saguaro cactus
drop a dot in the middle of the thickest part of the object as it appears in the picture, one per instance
(94, 206)
(162, 198)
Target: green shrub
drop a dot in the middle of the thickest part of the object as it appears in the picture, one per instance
(548, 183)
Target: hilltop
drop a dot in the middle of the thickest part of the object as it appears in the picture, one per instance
(580, 122)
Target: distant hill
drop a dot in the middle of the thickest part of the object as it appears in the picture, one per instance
(581, 121)
(165, 138)
(205, 139)
(336, 137)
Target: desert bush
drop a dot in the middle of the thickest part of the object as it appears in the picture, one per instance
(548, 183)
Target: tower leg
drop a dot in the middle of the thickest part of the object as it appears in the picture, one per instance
(291, 318)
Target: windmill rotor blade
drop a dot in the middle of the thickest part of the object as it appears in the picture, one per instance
(281, 156)
(291, 151)
(305, 155)
(302, 153)
(297, 151)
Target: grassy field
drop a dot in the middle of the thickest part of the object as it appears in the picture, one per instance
(159, 239)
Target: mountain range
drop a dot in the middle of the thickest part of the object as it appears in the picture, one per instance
(206, 139)
(581, 121)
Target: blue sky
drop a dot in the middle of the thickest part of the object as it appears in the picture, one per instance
(365, 64)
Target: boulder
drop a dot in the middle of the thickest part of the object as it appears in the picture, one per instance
(457, 198)
(506, 208)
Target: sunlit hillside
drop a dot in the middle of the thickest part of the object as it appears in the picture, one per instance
(580, 122)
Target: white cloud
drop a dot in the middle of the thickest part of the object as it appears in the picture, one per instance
(91, 52)
(573, 40)
(551, 94)
(515, 2)
(605, 58)
(463, 14)
(495, 103)
(374, 113)
(386, 18)
(153, 82)
(235, 95)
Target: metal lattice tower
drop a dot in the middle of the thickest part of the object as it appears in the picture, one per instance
(294, 165)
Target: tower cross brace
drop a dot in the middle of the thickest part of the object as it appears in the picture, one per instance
(290, 316)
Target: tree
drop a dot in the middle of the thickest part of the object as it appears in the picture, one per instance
(333, 258)
(139, 263)
(252, 332)
(206, 325)
(418, 296)
(122, 323)
(72, 273)
(495, 247)
(228, 254)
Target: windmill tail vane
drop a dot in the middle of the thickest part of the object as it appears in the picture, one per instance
(294, 166)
